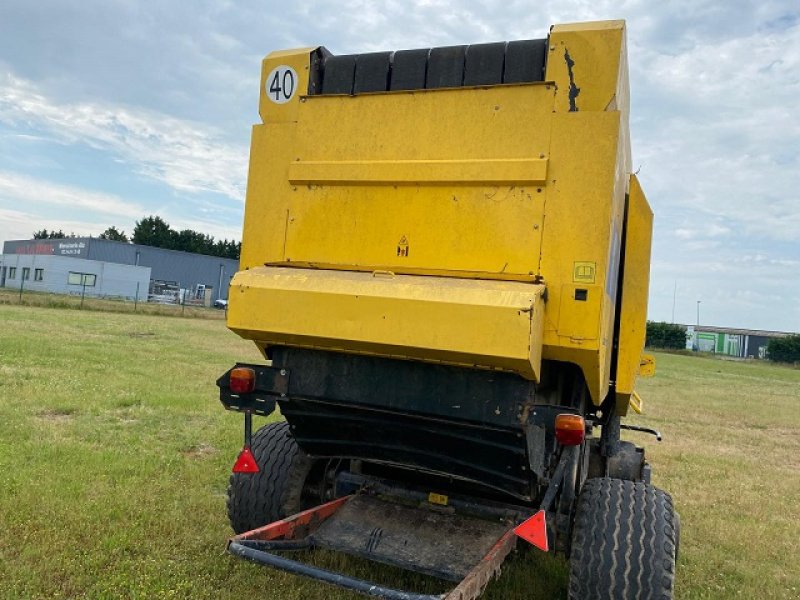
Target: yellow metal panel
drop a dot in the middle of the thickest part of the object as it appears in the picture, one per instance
(580, 319)
(509, 121)
(417, 228)
(446, 182)
(460, 172)
(584, 61)
(264, 234)
(299, 60)
(583, 227)
(635, 285)
(647, 366)
(487, 324)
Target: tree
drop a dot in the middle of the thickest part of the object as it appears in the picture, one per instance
(114, 234)
(665, 335)
(50, 235)
(785, 349)
(153, 231)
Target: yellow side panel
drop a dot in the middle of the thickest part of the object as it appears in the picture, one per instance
(264, 234)
(581, 242)
(487, 324)
(635, 285)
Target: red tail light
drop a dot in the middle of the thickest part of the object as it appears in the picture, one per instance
(246, 463)
(570, 429)
(242, 380)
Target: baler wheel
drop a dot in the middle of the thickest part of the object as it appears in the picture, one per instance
(275, 492)
(624, 542)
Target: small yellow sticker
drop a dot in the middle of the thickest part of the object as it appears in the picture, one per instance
(435, 498)
(584, 272)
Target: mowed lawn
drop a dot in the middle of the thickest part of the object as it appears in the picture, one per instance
(115, 455)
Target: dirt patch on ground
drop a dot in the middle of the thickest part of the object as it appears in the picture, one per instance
(57, 415)
(201, 450)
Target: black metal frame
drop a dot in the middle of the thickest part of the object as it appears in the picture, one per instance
(421, 416)
(261, 552)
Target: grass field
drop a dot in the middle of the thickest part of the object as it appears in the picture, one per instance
(115, 453)
(73, 301)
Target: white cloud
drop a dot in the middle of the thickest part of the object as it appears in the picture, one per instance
(186, 156)
(22, 190)
(19, 224)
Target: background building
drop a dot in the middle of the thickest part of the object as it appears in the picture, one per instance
(743, 343)
(117, 269)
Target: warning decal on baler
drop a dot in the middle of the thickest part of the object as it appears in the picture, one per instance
(584, 272)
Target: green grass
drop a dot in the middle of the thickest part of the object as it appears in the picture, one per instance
(73, 301)
(115, 454)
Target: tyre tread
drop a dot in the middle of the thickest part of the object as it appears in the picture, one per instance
(255, 499)
(624, 542)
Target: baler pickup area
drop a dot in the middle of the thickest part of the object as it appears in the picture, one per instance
(425, 538)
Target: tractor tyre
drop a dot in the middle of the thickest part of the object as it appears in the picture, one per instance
(624, 542)
(275, 492)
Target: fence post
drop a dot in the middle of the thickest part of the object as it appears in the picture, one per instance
(21, 284)
(136, 299)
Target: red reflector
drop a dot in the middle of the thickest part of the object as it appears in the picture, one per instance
(246, 463)
(242, 380)
(570, 429)
(534, 531)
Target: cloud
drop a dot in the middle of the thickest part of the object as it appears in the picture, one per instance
(27, 191)
(12, 222)
(188, 157)
(51, 205)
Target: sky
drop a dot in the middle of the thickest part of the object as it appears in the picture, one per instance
(111, 110)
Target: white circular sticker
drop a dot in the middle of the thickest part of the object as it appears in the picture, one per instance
(281, 84)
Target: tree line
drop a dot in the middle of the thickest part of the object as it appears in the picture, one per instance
(154, 231)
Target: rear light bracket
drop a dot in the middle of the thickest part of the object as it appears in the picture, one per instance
(271, 383)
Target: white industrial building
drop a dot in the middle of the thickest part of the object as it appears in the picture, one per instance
(106, 268)
(60, 274)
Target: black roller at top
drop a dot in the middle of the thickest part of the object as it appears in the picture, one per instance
(428, 68)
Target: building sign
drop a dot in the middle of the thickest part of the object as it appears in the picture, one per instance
(71, 248)
(54, 248)
(37, 248)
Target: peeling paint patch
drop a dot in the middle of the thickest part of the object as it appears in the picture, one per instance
(574, 90)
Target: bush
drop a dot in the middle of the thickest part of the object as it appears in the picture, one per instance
(785, 349)
(665, 335)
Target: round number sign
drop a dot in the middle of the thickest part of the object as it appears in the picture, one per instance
(281, 84)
